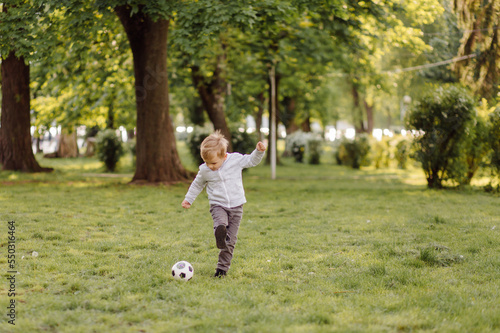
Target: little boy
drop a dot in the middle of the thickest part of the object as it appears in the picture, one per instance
(221, 174)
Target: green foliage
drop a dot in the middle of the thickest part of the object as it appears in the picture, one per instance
(155, 9)
(314, 147)
(242, 142)
(391, 151)
(198, 23)
(354, 153)
(86, 83)
(402, 153)
(490, 188)
(441, 116)
(109, 148)
(28, 28)
(494, 140)
(481, 20)
(443, 36)
(382, 152)
(474, 150)
(386, 153)
(194, 141)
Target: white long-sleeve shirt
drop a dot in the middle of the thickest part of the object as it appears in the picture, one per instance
(224, 185)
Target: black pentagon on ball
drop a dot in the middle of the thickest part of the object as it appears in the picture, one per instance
(173, 273)
(182, 275)
(190, 268)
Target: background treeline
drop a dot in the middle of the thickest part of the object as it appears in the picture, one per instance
(148, 67)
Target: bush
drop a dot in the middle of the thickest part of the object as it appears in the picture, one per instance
(441, 116)
(109, 148)
(354, 153)
(475, 149)
(298, 152)
(494, 140)
(194, 141)
(382, 152)
(242, 142)
(296, 143)
(314, 148)
(300, 144)
(402, 153)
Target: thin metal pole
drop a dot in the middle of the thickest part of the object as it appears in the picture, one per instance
(272, 75)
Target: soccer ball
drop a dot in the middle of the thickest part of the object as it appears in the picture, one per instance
(182, 271)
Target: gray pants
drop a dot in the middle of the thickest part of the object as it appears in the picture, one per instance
(231, 218)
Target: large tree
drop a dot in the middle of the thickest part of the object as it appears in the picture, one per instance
(480, 20)
(20, 24)
(147, 27)
(157, 156)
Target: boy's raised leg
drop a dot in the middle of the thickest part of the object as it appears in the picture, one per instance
(220, 236)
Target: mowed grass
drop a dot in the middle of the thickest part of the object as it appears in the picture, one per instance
(321, 249)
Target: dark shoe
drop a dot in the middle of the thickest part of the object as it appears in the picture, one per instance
(220, 273)
(220, 236)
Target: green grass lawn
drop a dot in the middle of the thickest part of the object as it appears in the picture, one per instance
(321, 249)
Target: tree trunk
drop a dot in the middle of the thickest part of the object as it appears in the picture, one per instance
(91, 147)
(157, 156)
(130, 134)
(290, 107)
(433, 181)
(68, 146)
(358, 123)
(369, 117)
(110, 121)
(306, 125)
(37, 145)
(212, 97)
(16, 152)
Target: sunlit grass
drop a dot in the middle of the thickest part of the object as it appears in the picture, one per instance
(321, 248)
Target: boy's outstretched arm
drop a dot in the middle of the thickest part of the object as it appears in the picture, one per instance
(251, 160)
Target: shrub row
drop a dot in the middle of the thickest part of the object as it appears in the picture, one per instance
(304, 145)
(365, 150)
(454, 139)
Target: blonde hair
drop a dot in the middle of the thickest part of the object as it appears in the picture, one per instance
(214, 144)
